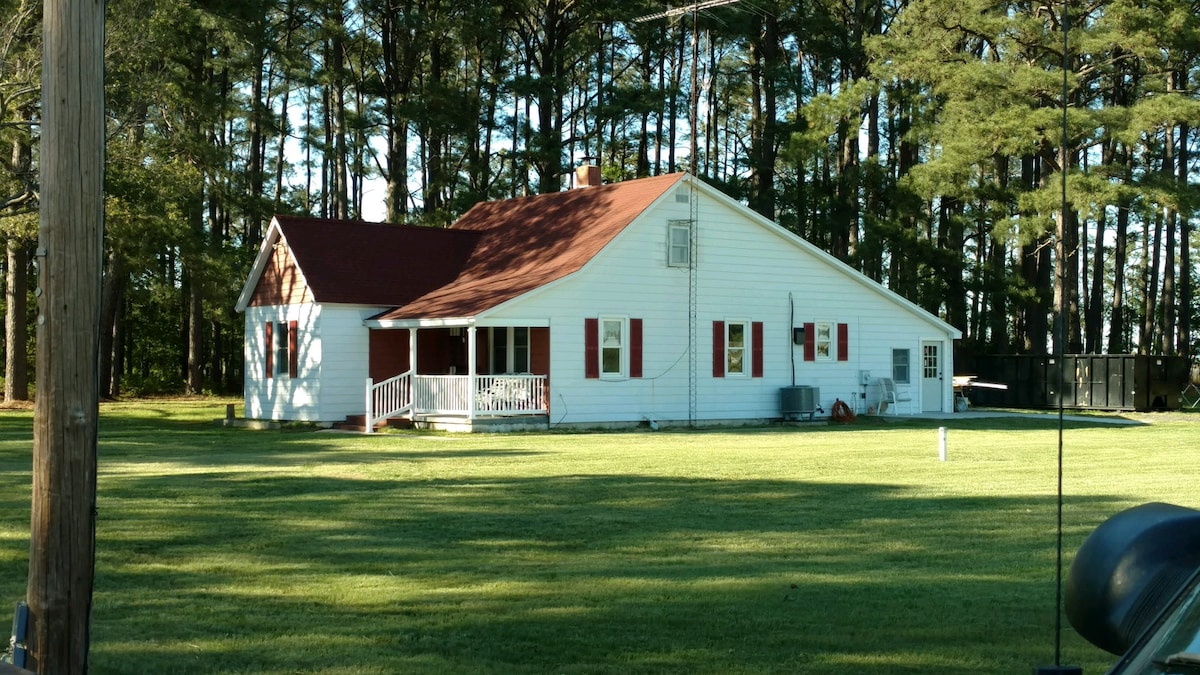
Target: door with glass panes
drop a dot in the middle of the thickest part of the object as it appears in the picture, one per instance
(932, 382)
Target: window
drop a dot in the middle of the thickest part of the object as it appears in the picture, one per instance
(679, 243)
(930, 364)
(819, 342)
(280, 346)
(520, 350)
(900, 366)
(498, 339)
(510, 350)
(823, 341)
(612, 348)
(735, 348)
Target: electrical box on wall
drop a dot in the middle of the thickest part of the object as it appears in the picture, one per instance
(864, 377)
(798, 336)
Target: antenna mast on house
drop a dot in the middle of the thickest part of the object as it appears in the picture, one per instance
(693, 160)
(694, 9)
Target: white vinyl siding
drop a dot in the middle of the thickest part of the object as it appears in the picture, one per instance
(744, 269)
(329, 381)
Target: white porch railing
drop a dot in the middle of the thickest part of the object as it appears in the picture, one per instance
(389, 398)
(510, 394)
(441, 395)
(495, 395)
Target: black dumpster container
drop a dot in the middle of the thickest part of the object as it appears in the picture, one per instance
(1093, 381)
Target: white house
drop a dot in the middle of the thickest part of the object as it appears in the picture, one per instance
(656, 299)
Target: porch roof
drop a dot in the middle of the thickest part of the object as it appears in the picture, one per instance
(528, 242)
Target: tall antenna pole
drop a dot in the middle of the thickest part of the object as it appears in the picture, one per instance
(1060, 340)
(693, 205)
(693, 156)
(694, 113)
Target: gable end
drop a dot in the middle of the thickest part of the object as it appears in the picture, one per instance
(281, 282)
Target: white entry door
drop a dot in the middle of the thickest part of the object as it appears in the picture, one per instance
(931, 377)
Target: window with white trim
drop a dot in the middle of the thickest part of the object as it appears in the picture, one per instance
(679, 243)
(823, 341)
(900, 365)
(612, 347)
(737, 335)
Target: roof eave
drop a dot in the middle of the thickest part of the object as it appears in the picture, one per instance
(260, 263)
(952, 332)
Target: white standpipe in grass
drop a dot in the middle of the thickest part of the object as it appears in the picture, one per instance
(942, 443)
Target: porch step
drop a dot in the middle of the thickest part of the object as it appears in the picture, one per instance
(359, 423)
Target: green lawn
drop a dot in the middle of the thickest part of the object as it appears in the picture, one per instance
(804, 550)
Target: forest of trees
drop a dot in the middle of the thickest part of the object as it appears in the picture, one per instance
(920, 141)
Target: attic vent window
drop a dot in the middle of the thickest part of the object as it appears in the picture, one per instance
(682, 196)
(679, 243)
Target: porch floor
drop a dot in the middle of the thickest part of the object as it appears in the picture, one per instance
(482, 424)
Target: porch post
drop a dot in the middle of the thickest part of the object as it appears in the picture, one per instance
(412, 368)
(471, 367)
(412, 349)
(370, 404)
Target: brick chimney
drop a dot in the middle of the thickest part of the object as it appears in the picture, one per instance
(588, 175)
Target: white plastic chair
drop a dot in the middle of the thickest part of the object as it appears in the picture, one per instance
(892, 396)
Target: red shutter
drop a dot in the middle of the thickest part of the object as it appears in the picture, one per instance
(718, 349)
(756, 342)
(293, 353)
(810, 342)
(591, 348)
(843, 342)
(269, 350)
(635, 348)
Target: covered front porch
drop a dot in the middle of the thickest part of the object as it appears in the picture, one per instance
(459, 373)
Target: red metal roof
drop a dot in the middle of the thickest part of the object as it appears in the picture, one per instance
(374, 263)
(531, 241)
(494, 253)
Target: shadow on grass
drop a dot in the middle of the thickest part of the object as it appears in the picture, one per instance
(588, 573)
(220, 568)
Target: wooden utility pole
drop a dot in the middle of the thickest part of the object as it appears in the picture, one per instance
(69, 253)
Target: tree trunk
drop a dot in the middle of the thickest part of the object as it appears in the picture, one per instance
(341, 196)
(1167, 336)
(256, 162)
(16, 332)
(1184, 338)
(111, 300)
(764, 64)
(1094, 309)
(953, 238)
(1151, 254)
(1035, 271)
(70, 247)
(1117, 342)
(194, 295)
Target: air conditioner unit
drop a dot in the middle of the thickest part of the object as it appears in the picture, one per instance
(798, 400)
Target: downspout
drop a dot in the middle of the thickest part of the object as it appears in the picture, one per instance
(791, 333)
